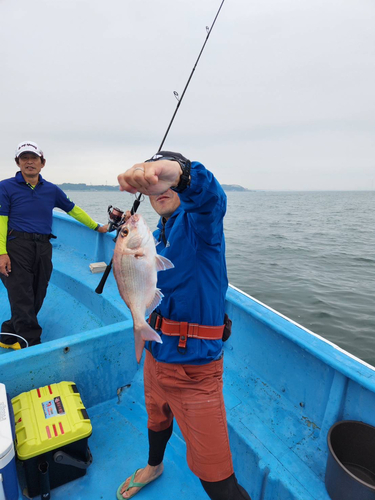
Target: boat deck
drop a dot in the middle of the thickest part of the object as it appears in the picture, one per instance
(283, 387)
(277, 454)
(119, 446)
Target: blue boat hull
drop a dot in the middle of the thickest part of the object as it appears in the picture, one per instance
(284, 386)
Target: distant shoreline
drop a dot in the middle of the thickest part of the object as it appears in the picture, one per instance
(67, 186)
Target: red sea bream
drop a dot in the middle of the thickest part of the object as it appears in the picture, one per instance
(135, 267)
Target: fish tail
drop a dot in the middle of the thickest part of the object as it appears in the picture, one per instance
(142, 334)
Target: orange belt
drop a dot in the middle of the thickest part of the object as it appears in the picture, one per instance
(185, 330)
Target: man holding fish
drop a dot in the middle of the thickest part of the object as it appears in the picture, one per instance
(183, 366)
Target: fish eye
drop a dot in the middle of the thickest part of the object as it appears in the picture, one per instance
(124, 232)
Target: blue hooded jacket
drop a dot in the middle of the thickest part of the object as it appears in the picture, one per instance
(194, 291)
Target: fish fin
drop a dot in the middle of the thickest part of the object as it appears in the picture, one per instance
(156, 242)
(142, 335)
(162, 263)
(139, 346)
(155, 302)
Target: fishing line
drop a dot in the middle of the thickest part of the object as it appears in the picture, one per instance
(138, 199)
(179, 99)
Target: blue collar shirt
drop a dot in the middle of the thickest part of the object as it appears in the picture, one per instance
(30, 209)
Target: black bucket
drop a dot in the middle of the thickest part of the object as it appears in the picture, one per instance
(350, 473)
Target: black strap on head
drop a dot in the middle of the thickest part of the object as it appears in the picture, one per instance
(167, 155)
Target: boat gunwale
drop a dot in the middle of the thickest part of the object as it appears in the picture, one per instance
(348, 369)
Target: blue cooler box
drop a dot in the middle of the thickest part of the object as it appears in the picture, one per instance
(9, 484)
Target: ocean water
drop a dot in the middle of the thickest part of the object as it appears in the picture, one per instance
(309, 255)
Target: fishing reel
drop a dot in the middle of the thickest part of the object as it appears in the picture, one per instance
(115, 218)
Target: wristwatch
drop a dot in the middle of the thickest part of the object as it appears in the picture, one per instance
(184, 163)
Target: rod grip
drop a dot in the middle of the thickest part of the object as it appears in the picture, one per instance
(99, 288)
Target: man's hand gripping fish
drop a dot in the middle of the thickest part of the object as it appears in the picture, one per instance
(135, 266)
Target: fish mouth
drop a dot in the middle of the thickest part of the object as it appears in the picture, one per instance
(133, 220)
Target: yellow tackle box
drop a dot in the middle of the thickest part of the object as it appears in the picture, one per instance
(52, 431)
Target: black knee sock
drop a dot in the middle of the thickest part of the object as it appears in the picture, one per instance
(157, 443)
(228, 489)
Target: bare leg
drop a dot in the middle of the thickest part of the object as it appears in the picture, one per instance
(146, 475)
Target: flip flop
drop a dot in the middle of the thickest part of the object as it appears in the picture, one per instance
(132, 484)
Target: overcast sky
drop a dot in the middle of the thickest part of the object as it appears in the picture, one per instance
(282, 98)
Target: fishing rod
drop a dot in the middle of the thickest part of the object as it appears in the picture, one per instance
(115, 214)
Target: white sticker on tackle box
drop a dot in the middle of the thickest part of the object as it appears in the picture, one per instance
(53, 408)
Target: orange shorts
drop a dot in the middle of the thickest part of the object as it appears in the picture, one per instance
(193, 394)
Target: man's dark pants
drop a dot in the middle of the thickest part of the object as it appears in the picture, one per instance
(26, 285)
